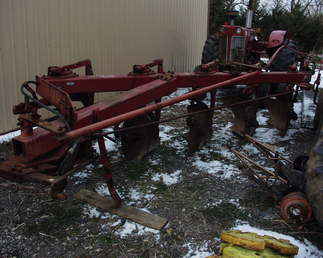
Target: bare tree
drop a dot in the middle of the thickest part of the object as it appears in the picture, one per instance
(309, 7)
(316, 7)
(230, 4)
(278, 4)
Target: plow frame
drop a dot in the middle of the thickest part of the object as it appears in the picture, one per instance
(37, 152)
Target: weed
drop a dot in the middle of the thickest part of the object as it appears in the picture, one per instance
(160, 187)
(62, 216)
(136, 169)
(217, 156)
(106, 239)
(225, 213)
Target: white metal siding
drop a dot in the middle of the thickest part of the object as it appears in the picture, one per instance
(114, 34)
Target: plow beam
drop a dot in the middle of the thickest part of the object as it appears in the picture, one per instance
(106, 123)
(107, 83)
(112, 83)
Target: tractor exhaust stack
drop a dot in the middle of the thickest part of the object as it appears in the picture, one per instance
(251, 8)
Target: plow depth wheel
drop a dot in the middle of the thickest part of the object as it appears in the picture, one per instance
(294, 208)
(200, 125)
(138, 142)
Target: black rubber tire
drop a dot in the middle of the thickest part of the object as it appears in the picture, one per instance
(314, 179)
(210, 50)
(314, 172)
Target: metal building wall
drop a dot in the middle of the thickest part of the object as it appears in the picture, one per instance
(114, 34)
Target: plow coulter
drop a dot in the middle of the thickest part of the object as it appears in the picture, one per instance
(50, 150)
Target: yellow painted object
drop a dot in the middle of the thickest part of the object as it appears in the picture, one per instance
(233, 251)
(281, 245)
(240, 244)
(245, 239)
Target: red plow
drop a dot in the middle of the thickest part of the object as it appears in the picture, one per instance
(38, 153)
(50, 150)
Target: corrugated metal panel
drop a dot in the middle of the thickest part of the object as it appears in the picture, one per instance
(113, 34)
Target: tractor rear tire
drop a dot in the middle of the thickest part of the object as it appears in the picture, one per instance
(314, 173)
(314, 180)
(318, 112)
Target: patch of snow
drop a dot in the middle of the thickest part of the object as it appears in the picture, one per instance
(103, 190)
(178, 145)
(306, 107)
(82, 174)
(177, 93)
(93, 212)
(235, 202)
(213, 202)
(306, 249)
(133, 228)
(154, 161)
(136, 195)
(110, 145)
(224, 132)
(262, 120)
(168, 179)
(7, 137)
(197, 252)
(164, 133)
(250, 148)
(90, 167)
(314, 76)
(271, 135)
(225, 152)
(214, 167)
(264, 59)
(85, 172)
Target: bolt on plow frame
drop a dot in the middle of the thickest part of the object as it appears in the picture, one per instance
(50, 150)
